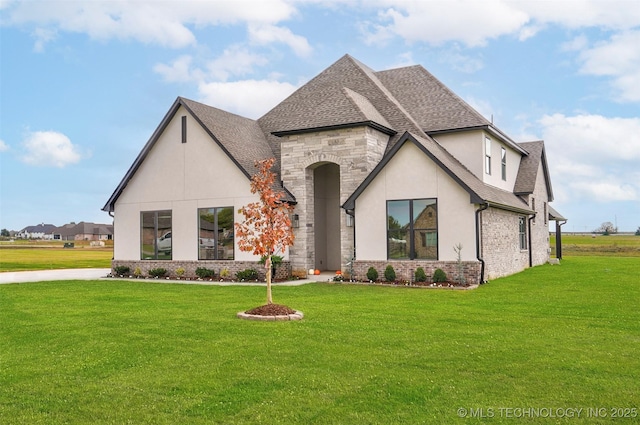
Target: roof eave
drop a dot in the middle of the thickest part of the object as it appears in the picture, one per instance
(487, 127)
(372, 124)
(351, 201)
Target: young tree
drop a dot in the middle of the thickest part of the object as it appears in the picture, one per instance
(266, 229)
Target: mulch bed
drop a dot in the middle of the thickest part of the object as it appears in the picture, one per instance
(271, 310)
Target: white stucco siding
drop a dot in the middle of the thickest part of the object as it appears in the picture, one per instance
(180, 177)
(469, 148)
(412, 175)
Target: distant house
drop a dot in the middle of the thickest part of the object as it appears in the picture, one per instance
(383, 167)
(40, 231)
(83, 231)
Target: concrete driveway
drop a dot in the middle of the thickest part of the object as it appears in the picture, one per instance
(47, 275)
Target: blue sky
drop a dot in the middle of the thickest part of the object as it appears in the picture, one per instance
(83, 85)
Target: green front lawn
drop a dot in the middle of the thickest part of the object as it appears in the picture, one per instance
(117, 352)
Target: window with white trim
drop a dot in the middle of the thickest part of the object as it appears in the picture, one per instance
(522, 233)
(487, 155)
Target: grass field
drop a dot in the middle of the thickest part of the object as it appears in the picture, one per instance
(48, 255)
(612, 245)
(112, 352)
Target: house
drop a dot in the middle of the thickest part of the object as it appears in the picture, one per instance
(83, 231)
(383, 167)
(39, 231)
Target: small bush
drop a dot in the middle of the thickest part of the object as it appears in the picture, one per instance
(224, 273)
(180, 271)
(159, 272)
(248, 274)
(205, 273)
(439, 276)
(137, 272)
(420, 275)
(121, 270)
(390, 274)
(372, 274)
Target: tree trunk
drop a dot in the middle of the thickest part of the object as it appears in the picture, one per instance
(267, 265)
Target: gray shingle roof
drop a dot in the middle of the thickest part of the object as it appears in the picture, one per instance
(528, 171)
(479, 192)
(431, 103)
(346, 93)
(324, 102)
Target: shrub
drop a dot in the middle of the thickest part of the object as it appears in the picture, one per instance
(420, 275)
(159, 272)
(372, 274)
(439, 276)
(121, 270)
(180, 271)
(137, 272)
(248, 274)
(205, 273)
(638, 232)
(390, 274)
(224, 273)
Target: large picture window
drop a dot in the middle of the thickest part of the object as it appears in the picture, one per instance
(155, 235)
(412, 229)
(215, 233)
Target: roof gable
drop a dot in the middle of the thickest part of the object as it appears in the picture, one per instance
(479, 192)
(347, 92)
(241, 139)
(528, 171)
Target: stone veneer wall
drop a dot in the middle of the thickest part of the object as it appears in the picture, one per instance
(405, 270)
(501, 244)
(355, 150)
(283, 270)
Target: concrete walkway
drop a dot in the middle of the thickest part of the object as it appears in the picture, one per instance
(47, 275)
(96, 274)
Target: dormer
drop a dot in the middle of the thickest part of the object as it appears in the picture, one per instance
(487, 152)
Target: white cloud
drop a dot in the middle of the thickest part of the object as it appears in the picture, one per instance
(179, 71)
(594, 158)
(475, 22)
(49, 148)
(618, 58)
(267, 34)
(3, 146)
(471, 22)
(249, 98)
(164, 23)
(234, 61)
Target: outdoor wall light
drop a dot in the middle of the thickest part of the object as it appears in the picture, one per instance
(295, 221)
(349, 220)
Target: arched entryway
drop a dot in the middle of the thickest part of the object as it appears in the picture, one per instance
(326, 189)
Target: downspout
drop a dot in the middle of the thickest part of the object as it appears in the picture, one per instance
(531, 218)
(559, 239)
(478, 256)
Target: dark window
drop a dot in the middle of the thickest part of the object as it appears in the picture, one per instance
(412, 229)
(215, 233)
(522, 230)
(184, 129)
(155, 235)
(504, 164)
